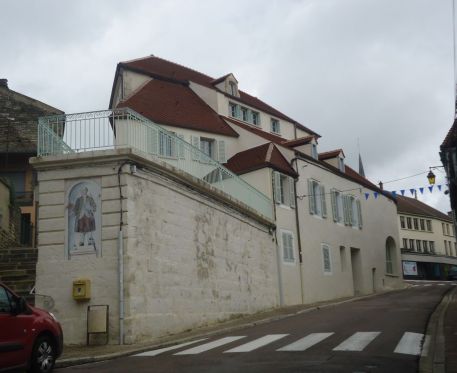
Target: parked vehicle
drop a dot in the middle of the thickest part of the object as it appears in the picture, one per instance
(30, 337)
(452, 274)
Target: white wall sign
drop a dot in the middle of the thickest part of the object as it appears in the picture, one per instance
(84, 218)
(409, 268)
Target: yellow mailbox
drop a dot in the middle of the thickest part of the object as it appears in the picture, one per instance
(81, 289)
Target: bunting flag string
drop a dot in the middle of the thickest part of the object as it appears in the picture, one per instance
(413, 191)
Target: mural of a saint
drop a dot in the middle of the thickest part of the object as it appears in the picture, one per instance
(84, 217)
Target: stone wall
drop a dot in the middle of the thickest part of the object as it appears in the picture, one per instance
(190, 258)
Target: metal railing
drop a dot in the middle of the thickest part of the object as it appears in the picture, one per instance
(120, 128)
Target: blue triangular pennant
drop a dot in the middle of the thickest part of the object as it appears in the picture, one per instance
(412, 191)
(421, 190)
(367, 195)
(375, 195)
(439, 187)
(430, 188)
(402, 192)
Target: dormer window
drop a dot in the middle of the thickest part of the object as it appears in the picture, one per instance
(314, 151)
(341, 164)
(233, 110)
(275, 128)
(232, 88)
(244, 114)
(255, 118)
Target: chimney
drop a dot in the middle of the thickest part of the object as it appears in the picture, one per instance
(4, 83)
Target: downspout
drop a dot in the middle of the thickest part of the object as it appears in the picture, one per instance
(120, 253)
(278, 256)
(297, 222)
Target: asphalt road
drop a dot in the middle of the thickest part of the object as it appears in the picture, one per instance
(384, 333)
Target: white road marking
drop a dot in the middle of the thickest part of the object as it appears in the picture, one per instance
(171, 348)
(259, 342)
(306, 342)
(410, 344)
(425, 346)
(209, 346)
(427, 285)
(357, 342)
(441, 284)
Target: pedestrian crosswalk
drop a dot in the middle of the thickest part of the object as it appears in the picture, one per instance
(409, 344)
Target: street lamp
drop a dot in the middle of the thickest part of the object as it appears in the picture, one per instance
(431, 177)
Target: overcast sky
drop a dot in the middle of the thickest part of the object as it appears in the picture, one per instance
(380, 71)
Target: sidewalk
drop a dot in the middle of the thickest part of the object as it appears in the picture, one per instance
(75, 355)
(450, 334)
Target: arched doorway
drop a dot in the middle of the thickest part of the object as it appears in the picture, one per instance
(391, 256)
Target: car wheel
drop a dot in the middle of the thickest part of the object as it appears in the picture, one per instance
(43, 355)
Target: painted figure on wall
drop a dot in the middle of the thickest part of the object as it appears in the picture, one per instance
(83, 217)
(84, 210)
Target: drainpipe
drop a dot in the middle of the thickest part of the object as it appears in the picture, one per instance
(297, 222)
(278, 256)
(120, 240)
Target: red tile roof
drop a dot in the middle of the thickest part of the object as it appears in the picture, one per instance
(330, 154)
(266, 135)
(266, 155)
(451, 138)
(413, 206)
(176, 105)
(297, 142)
(161, 68)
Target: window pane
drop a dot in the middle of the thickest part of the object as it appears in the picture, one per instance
(402, 221)
(4, 301)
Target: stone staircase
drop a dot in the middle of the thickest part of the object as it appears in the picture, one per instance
(18, 270)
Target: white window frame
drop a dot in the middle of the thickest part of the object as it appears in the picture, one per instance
(402, 222)
(317, 200)
(326, 247)
(290, 251)
(314, 153)
(284, 189)
(275, 126)
(233, 106)
(255, 114)
(168, 148)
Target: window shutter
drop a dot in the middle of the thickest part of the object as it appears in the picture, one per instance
(350, 210)
(221, 151)
(359, 212)
(291, 247)
(334, 206)
(181, 147)
(323, 201)
(291, 192)
(346, 210)
(311, 197)
(195, 144)
(277, 186)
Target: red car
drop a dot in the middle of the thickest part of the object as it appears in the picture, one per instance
(30, 338)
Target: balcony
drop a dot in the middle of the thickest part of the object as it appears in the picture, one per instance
(125, 128)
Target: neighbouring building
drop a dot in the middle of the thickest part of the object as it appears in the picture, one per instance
(448, 155)
(221, 204)
(18, 142)
(428, 245)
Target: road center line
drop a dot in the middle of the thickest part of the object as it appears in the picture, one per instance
(306, 342)
(410, 344)
(357, 342)
(209, 346)
(171, 348)
(259, 342)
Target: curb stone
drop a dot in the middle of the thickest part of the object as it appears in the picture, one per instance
(63, 363)
(435, 360)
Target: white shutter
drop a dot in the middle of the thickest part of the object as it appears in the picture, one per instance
(359, 212)
(196, 144)
(323, 201)
(181, 147)
(350, 210)
(312, 208)
(277, 186)
(345, 210)
(221, 157)
(291, 192)
(334, 205)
